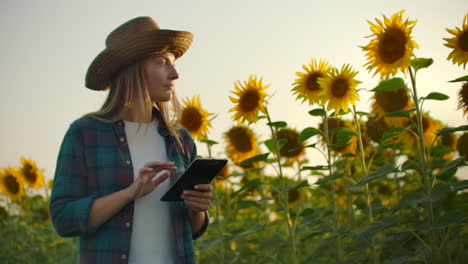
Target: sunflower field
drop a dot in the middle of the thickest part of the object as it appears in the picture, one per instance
(390, 189)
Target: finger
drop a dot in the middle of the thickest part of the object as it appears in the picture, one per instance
(156, 165)
(201, 200)
(194, 206)
(205, 195)
(203, 187)
(161, 178)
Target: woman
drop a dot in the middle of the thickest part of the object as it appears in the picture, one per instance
(114, 164)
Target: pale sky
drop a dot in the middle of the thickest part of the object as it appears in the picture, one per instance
(46, 47)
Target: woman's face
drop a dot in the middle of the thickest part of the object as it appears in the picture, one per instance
(161, 76)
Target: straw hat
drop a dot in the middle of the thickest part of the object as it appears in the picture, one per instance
(132, 41)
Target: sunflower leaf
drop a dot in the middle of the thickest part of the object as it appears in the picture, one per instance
(308, 133)
(436, 96)
(460, 185)
(261, 157)
(404, 113)
(300, 185)
(389, 145)
(317, 112)
(452, 165)
(391, 133)
(452, 129)
(209, 142)
(382, 171)
(360, 113)
(278, 124)
(421, 63)
(390, 85)
(270, 144)
(461, 79)
(335, 175)
(320, 167)
(251, 184)
(349, 155)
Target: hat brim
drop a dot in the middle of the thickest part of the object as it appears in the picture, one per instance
(110, 61)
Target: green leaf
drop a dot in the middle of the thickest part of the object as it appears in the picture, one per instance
(270, 144)
(391, 133)
(317, 112)
(461, 79)
(460, 186)
(349, 155)
(278, 124)
(320, 167)
(252, 230)
(378, 226)
(436, 96)
(302, 184)
(382, 171)
(360, 113)
(421, 63)
(453, 164)
(454, 217)
(209, 142)
(404, 113)
(412, 199)
(409, 165)
(335, 175)
(389, 145)
(390, 85)
(249, 185)
(452, 129)
(308, 133)
(261, 157)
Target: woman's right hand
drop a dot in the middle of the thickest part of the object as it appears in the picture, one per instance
(146, 183)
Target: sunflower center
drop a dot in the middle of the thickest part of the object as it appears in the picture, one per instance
(339, 87)
(463, 95)
(29, 173)
(11, 184)
(191, 119)
(392, 101)
(392, 45)
(240, 139)
(311, 81)
(249, 100)
(291, 149)
(463, 41)
(448, 140)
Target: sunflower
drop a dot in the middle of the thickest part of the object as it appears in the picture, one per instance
(459, 44)
(30, 174)
(463, 98)
(346, 144)
(11, 184)
(462, 146)
(292, 150)
(251, 99)
(194, 118)
(430, 129)
(391, 101)
(449, 142)
(375, 128)
(339, 88)
(391, 48)
(241, 143)
(306, 86)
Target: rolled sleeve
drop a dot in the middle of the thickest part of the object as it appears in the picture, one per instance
(70, 203)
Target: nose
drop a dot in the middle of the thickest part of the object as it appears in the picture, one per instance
(173, 75)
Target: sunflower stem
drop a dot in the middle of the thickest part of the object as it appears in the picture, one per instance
(284, 192)
(367, 192)
(427, 186)
(332, 186)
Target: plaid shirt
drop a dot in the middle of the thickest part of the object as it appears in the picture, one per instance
(94, 161)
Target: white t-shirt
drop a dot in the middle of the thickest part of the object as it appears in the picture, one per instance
(152, 236)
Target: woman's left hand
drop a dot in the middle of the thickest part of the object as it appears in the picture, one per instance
(199, 199)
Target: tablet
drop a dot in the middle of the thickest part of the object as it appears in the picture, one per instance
(200, 171)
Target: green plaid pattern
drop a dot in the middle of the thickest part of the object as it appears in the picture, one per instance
(94, 161)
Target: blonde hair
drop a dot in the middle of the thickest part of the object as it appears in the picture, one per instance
(128, 91)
